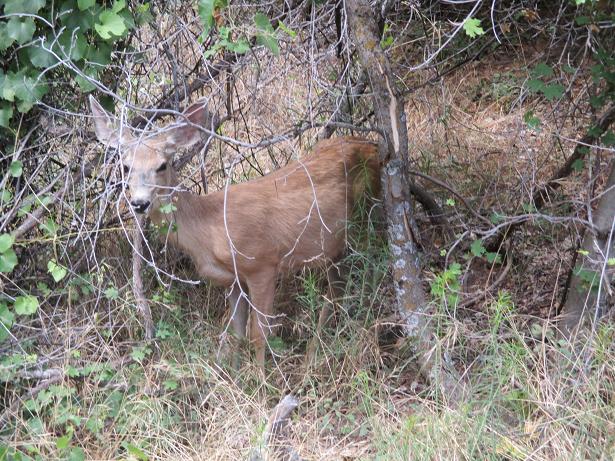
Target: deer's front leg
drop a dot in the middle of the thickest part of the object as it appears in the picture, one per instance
(262, 291)
(238, 304)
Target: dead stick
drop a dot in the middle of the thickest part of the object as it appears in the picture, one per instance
(280, 416)
(137, 282)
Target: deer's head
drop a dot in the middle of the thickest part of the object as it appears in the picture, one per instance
(147, 156)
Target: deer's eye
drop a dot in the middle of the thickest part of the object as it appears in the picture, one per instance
(162, 167)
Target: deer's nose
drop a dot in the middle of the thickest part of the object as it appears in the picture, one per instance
(140, 206)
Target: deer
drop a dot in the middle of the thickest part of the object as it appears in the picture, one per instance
(248, 235)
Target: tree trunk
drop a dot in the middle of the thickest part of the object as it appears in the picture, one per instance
(411, 301)
(592, 276)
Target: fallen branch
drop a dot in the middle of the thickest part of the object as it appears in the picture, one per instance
(274, 433)
(435, 212)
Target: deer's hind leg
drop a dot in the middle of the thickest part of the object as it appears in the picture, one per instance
(335, 285)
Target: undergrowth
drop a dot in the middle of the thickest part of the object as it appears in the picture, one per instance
(529, 396)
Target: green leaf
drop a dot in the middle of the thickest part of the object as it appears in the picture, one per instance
(16, 169)
(291, 33)
(535, 85)
(43, 288)
(76, 454)
(62, 442)
(135, 452)
(554, 91)
(472, 27)
(5, 195)
(26, 88)
(26, 305)
(170, 385)
(23, 6)
(85, 85)
(72, 44)
(99, 54)
(597, 101)
(493, 257)
(542, 70)
(266, 35)
(112, 293)
(163, 330)
(168, 208)
(240, 47)
(477, 248)
(118, 6)
(40, 57)
(7, 317)
(50, 227)
(611, 262)
(143, 14)
(583, 20)
(110, 24)
(608, 139)
(8, 261)
(531, 120)
(74, 19)
(594, 131)
(578, 165)
(206, 13)
(20, 29)
(276, 343)
(140, 352)
(6, 112)
(5, 40)
(85, 4)
(386, 42)
(6, 242)
(57, 271)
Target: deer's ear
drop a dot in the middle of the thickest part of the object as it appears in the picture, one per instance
(187, 132)
(107, 127)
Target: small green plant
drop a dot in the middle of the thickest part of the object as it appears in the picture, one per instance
(446, 286)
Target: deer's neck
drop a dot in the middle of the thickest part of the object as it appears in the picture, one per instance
(164, 207)
(179, 217)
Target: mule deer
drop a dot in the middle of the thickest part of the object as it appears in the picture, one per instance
(246, 236)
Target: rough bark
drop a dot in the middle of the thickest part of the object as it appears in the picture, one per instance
(592, 279)
(411, 301)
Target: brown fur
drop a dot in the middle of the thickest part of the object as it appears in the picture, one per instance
(291, 218)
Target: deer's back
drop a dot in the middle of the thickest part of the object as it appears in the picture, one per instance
(297, 215)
